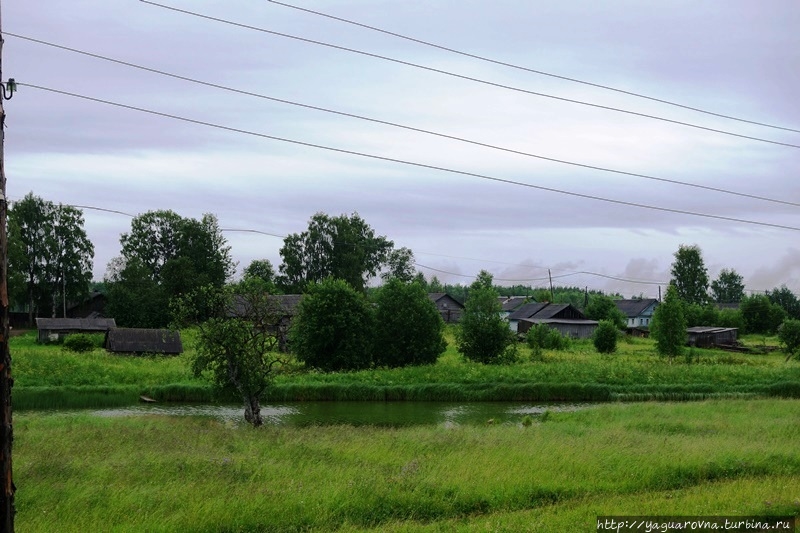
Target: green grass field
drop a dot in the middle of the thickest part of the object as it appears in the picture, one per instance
(84, 473)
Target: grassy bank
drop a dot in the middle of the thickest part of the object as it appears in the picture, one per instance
(82, 473)
(48, 376)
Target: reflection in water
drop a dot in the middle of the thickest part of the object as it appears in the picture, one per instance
(391, 414)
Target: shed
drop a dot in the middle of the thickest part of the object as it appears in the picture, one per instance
(708, 337)
(575, 328)
(450, 308)
(139, 340)
(543, 311)
(54, 329)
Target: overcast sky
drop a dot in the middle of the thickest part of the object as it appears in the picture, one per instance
(732, 57)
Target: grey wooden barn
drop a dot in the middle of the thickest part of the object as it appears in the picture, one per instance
(565, 318)
(55, 329)
(138, 341)
(450, 308)
(708, 337)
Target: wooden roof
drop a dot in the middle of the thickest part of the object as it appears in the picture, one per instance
(138, 340)
(634, 308)
(545, 310)
(75, 324)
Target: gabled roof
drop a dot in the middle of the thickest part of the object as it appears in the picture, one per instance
(75, 324)
(546, 310)
(513, 303)
(436, 296)
(136, 340)
(634, 308)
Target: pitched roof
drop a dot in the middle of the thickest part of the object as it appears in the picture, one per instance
(513, 303)
(436, 296)
(527, 310)
(75, 324)
(634, 308)
(136, 340)
(546, 310)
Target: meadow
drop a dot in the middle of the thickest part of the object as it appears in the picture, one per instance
(77, 472)
(48, 376)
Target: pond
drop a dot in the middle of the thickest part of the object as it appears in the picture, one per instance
(390, 414)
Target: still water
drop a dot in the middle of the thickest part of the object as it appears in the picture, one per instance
(391, 414)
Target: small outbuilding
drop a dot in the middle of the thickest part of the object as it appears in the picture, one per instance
(574, 328)
(565, 318)
(708, 337)
(450, 308)
(55, 329)
(139, 341)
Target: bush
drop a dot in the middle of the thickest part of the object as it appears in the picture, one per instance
(80, 342)
(542, 337)
(333, 328)
(668, 327)
(760, 315)
(789, 335)
(605, 337)
(409, 328)
(482, 335)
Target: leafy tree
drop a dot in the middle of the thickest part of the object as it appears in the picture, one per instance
(602, 307)
(760, 315)
(728, 287)
(434, 285)
(340, 247)
(700, 315)
(482, 335)
(333, 328)
(261, 269)
(408, 327)
(689, 275)
(731, 318)
(605, 336)
(237, 345)
(668, 327)
(400, 265)
(50, 253)
(165, 256)
(786, 298)
(789, 336)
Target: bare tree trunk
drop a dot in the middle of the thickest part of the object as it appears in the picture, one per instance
(252, 411)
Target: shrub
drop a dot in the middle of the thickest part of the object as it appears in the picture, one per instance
(669, 325)
(482, 335)
(789, 335)
(542, 337)
(760, 315)
(80, 342)
(605, 337)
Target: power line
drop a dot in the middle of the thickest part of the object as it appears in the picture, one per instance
(468, 78)
(411, 163)
(527, 69)
(402, 126)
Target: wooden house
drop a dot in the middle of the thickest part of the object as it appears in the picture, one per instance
(511, 303)
(708, 337)
(450, 308)
(55, 329)
(565, 318)
(139, 341)
(639, 312)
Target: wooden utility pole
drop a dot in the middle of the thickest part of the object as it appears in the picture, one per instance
(6, 382)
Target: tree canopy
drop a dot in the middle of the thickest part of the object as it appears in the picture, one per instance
(342, 247)
(668, 327)
(689, 275)
(165, 256)
(728, 287)
(50, 254)
(602, 307)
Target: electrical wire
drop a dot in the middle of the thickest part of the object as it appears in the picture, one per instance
(468, 78)
(402, 126)
(527, 69)
(411, 163)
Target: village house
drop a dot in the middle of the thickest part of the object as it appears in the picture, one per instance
(639, 312)
(565, 318)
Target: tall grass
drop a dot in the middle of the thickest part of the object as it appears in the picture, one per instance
(82, 473)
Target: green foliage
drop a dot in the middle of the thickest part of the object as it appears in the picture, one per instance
(731, 318)
(700, 315)
(408, 327)
(261, 269)
(605, 337)
(668, 327)
(400, 265)
(482, 335)
(165, 256)
(50, 256)
(689, 275)
(760, 315)
(602, 307)
(339, 247)
(728, 287)
(334, 326)
(543, 337)
(785, 298)
(789, 335)
(80, 342)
